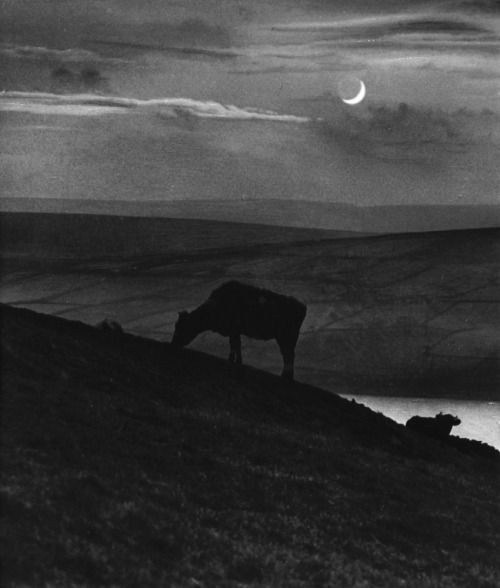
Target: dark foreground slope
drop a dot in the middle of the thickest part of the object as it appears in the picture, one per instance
(126, 463)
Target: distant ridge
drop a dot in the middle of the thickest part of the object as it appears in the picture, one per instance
(87, 235)
(333, 216)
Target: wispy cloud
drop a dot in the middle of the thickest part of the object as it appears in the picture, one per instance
(415, 135)
(72, 55)
(93, 105)
(33, 52)
(476, 6)
(404, 32)
(409, 41)
(177, 50)
(376, 26)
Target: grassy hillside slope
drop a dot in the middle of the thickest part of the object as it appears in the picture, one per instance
(128, 463)
(402, 315)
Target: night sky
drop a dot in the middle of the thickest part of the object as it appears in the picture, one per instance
(226, 100)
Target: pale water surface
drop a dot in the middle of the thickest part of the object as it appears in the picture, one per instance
(480, 419)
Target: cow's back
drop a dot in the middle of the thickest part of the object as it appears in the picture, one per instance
(259, 313)
(429, 426)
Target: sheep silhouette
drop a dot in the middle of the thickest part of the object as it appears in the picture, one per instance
(108, 326)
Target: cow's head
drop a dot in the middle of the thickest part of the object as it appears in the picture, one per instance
(184, 330)
(449, 419)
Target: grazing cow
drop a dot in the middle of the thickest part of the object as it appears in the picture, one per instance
(236, 309)
(438, 427)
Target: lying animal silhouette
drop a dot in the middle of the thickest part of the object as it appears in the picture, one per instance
(438, 427)
(108, 326)
(236, 309)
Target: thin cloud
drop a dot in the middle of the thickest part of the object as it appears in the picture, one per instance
(191, 38)
(409, 41)
(477, 6)
(92, 105)
(388, 24)
(436, 26)
(411, 30)
(47, 54)
(278, 69)
(410, 134)
(175, 50)
(191, 32)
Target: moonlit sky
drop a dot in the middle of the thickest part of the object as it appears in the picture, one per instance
(226, 100)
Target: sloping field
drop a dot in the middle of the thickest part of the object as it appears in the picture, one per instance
(413, 314)
(128, 463)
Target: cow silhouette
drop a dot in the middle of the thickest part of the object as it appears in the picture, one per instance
(236, 309)
(438, 427)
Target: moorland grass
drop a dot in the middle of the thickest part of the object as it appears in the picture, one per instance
(126, 463)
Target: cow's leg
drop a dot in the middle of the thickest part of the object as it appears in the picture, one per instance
(287, 348)
(288, 360)
(235, 349)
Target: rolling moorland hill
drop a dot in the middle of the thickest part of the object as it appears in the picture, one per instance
(402, 315)
(129, 463)
(331, 216)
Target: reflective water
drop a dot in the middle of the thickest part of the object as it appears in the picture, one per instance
(480, 419)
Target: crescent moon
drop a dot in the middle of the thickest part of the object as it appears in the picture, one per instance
(359, 96)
